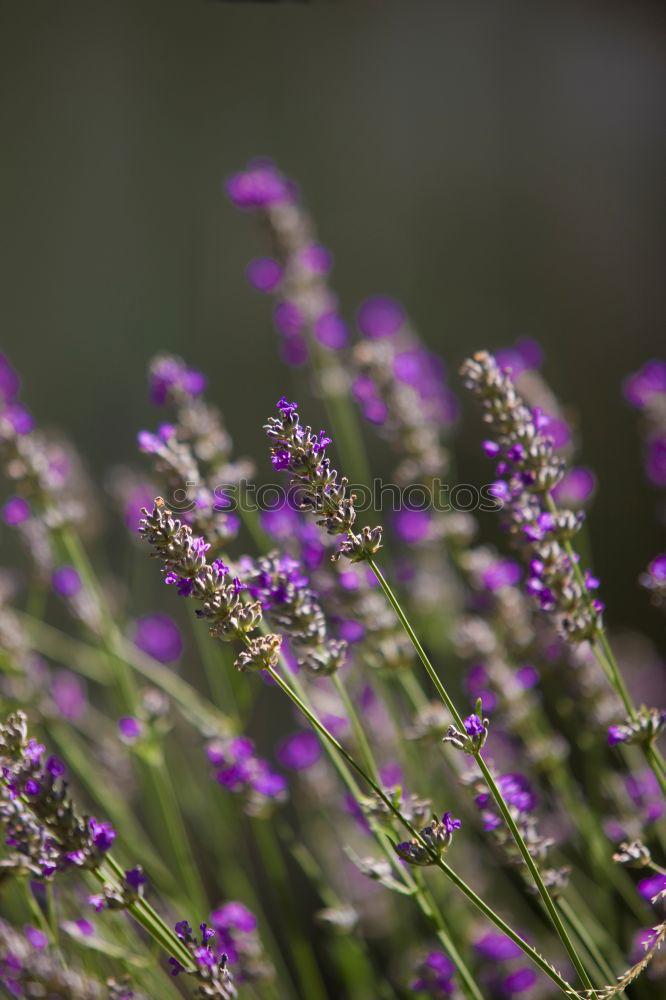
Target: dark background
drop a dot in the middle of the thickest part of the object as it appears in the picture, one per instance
(497, 166)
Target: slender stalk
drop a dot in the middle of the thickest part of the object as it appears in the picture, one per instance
(459, 882)
(588, 942)
(416, 884)
(490, 781)
(307, 969)
(359, 731)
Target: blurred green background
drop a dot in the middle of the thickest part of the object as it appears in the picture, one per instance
(497, 166)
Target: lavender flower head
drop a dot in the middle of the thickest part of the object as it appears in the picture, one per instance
(185, 565)
(436, 837)
(302, 453)
(529, 470)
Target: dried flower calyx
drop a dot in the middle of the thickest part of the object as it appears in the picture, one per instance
(645, 728)
(434, 840)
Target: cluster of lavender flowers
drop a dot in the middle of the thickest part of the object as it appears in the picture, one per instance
(192, 455)
(528, 471)
(211, 969)
(50, 488)
(290, 604)
(43, 827)
(29, 968)
(646, 391)
(302, 453)
(184, 564)
(306, 313)
(238, 769)
(399, 386)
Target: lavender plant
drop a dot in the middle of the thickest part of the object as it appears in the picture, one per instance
(317, 860)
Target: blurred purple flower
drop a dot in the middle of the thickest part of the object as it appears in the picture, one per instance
(518, 982)
(299, 751)
(642, 386)
(15, 511)
(264, 274)
(411, 525)
(36, 938)
(159, 637)
(496, 947)
(66, 581)
(575, 488)
(69, 694)
(380, 316)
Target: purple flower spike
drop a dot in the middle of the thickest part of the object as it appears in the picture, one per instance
(66, 581)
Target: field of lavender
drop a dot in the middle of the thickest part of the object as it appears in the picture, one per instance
(356, 750)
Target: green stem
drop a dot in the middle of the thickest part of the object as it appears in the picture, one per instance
(588, 942)
(359, 731)
(178, 839)
(490, 781)
(417, 885)
(306, 966)
(459, 882)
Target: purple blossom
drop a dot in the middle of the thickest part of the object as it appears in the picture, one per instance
(233, 916)
(159, 637)
(449, 823)
(103, 834)
(575, 488)
(412, 525)
(491, 448)
(259, 186)
(651, 886)
(69, 695)
(518, 982)
(496, 947)
(15, 511)
(129, 729)
(380, 316)
(264, 274)
(617, 734)
(288, 319)
(315, 258)
(55, 767)
(500, 574)
(331, 331)
(184, 586)
(294, 351)
(135, 878)
(299, 751)
(474, 725)
(649, 381)
(66, 581)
